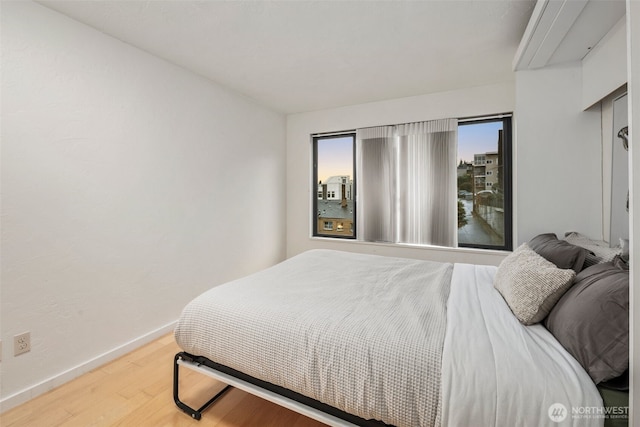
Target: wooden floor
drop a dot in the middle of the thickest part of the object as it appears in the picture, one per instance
(136, 390)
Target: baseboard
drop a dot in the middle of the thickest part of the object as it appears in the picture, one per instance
(70, 374)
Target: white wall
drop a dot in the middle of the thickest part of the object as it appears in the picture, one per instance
(129, 186)
(604, 69)
(558, 155)
(604, 78)
(470, 102)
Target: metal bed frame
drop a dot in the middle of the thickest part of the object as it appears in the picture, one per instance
(281, 396)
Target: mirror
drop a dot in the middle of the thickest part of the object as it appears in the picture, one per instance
(620, 173)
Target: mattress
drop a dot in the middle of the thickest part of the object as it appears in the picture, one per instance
(410, 343)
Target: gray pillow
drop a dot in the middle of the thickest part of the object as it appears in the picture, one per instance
(530, 284)
(562, 253)
(598, 251)
(591, 320)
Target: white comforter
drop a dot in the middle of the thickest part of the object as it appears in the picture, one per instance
(497, 372)
(361, 333)
(353, 331)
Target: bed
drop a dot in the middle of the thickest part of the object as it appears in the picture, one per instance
(354, 339)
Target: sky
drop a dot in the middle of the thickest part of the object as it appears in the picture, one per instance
(335, 155)
(477, 138)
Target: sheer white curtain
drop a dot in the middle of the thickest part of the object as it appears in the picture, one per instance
(407, 183)
(375, 183)
(427, 181)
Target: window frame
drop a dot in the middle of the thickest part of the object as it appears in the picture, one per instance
(314, 213)
(506, 162)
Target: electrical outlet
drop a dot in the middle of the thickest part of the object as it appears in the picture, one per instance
(21, 343)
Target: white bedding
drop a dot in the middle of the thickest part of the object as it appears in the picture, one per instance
(361, 333)
(497, 372)
(365, 333)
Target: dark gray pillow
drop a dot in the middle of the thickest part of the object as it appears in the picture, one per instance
(560, 252)
(591, 320)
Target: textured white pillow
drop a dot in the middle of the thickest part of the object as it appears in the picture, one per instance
(530, 284)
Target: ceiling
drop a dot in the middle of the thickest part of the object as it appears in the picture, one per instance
(296, 56)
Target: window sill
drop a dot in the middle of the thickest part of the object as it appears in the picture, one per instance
(404, 250)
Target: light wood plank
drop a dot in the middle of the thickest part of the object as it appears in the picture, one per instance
(137, 390)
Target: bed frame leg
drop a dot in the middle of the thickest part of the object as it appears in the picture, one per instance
(193, 413)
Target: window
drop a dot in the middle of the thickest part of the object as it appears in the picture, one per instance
(482, 192)
(333, 173)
